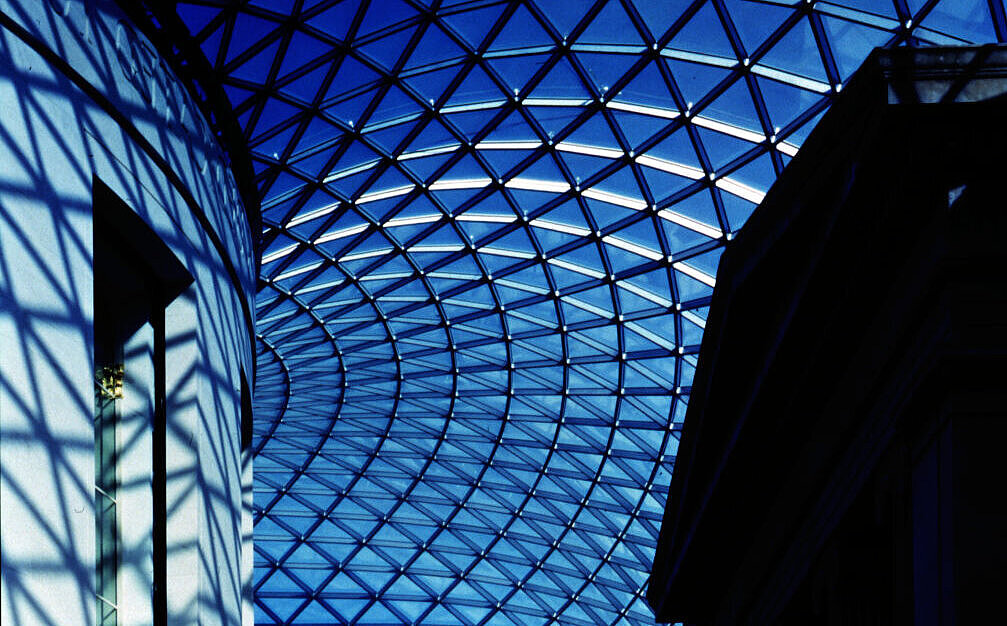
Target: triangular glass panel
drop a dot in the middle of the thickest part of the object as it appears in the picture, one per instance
(301, 50)
(562, 82)
(387, 50)
(256, 68)
(248, 31)
(434, 47)
(797, 52)
(522, 30)
(383, 14)
(335, 20)
(351, 75)
(757, 21)
(605, 69)
(968, 20)
(196, 17)
(854, 41)
(695, 80)
(516, 71)
(473, 25)
(611, 26)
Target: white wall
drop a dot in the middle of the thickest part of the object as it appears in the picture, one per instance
(54, 139)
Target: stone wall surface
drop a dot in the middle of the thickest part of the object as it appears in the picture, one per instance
(84, 98)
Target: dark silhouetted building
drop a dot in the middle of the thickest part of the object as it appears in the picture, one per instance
(841, 460)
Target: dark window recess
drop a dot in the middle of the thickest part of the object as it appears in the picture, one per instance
(246, 412)
(136, 276)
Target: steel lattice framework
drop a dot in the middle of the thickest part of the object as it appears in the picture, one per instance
(491, 231)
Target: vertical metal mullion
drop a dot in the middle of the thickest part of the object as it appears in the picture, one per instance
(158, 467)
(108, 373)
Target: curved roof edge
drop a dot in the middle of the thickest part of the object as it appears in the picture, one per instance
(161, 24)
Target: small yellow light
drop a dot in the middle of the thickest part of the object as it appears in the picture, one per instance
(109, 381)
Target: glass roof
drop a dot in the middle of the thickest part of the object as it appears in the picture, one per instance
(491, 234)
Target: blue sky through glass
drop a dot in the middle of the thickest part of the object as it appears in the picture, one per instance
(491, 236)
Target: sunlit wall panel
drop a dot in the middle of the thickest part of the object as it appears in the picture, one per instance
(92, 119)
